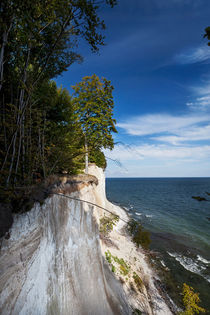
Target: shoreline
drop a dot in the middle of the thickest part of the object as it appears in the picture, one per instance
(149, 296)
(124, 248)
(183, 248)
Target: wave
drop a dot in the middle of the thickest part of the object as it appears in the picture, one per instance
(190, 264)
(146, 215)
(128, 209)
(203, 260)
(163, 263)
(125, 208)
(138, 213)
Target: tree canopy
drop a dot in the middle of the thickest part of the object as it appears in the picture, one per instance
(93, 105)
(38, 41)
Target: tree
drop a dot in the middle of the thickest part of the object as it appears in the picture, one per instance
(93, 103)
(191, 301)
(38, 41)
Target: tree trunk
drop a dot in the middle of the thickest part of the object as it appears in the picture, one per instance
(5, 35)
(4, 43)
(20, 119)
(86, 156)
(43, 147)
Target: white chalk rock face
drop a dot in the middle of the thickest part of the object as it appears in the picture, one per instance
(52, 262)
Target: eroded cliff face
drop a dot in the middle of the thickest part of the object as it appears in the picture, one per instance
(52, 262)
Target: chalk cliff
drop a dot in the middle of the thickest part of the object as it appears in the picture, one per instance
(53, 262)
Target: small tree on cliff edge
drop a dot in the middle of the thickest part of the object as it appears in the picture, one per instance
(191, 300)
(93, 104)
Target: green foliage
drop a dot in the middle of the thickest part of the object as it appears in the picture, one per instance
(93, 104)
(137, 281)
(139, 236)
(124, 267)
(38, 41)
(137, 312)
(97, 157)
(142, 238)
(108, 256)
(124, 270)
(191, 301)
(132, 226)
(107, 224)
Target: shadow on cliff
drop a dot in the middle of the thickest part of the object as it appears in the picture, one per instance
(52, 262)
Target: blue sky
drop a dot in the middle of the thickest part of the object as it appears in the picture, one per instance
(159, 64)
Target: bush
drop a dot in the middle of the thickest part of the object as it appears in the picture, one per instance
(124, 267)
(108, 256)
(113, 268)
(139, 236)
(107, 224)
(191, 301)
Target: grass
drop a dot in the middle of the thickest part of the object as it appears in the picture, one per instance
(108, 256)
(113, 268)
(138, 281)
(124, 268)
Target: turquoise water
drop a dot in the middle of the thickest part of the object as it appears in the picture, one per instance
(179, 225)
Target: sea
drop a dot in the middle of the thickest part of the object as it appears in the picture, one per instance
(179, 227)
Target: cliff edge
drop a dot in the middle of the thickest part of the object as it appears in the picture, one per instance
(54, 261)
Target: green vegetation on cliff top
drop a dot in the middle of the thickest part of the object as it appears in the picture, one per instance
(44, 128)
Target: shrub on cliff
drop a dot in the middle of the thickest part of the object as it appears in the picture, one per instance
(97, 157)
(107, 224)
(139, 235)
(191, 301)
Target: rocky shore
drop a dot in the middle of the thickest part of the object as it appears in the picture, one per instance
(140, 283)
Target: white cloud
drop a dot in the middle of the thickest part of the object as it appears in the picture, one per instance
(171, 145)
(195, 55)
(202, 102)
(202, 98)
(158, 160)
(158, 151)
(203, 89)
(169, 128)
(188, 135)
